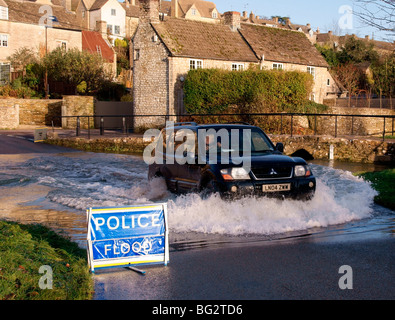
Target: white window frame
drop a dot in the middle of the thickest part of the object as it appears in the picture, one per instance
(113, 12)
(237, 67)
(195, 64)
(4, 39)
(311, 70)
(3, 13)
(193, 11)
(312, 97)
(61, 44)
(117, 31)
(277, 66)
(215, 15)
(110, 28)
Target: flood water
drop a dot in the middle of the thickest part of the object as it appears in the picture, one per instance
(56, 190)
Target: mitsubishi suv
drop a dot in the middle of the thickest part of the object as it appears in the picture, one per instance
(230, 159)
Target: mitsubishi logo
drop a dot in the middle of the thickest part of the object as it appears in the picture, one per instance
(273, 172)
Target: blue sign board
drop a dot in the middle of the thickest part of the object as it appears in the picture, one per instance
(127, 236)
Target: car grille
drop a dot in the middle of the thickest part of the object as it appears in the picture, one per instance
(267, 173)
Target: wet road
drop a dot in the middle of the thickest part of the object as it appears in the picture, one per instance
(295, 252)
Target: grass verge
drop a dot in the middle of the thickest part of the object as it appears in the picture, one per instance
(25, 248)
(383, 182)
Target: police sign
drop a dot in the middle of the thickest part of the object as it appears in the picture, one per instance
(129, 236)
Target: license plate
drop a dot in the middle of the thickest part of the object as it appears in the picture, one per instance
(276, 187)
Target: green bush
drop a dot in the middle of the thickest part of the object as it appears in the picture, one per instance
(214, 91)
(211, 91)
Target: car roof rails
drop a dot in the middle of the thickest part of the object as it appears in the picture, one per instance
(240, 122)
(177, 124)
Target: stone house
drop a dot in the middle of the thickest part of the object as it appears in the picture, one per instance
(194, 10)
(41, 26)
(164, 50)
(105, 16)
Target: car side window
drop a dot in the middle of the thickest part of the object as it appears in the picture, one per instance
(258, 144)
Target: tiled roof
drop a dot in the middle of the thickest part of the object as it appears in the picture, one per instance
(93, 42)
(282, 45)
(28, 12)
(131, 11)
(205, 8)
(98, 4)
(196, 39)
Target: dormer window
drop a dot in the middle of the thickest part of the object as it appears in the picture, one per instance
(194, 12)
(215, 15)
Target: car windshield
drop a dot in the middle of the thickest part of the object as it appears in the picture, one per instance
(237, 140)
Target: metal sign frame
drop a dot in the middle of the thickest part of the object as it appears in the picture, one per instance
(123, 237)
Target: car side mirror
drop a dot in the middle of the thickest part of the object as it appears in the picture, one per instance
(280, 147)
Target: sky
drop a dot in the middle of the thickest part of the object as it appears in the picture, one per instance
(326, 15)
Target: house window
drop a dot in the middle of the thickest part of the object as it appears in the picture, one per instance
(328, 82)
(83, 13)
(312, 97)
(113, 12)
(215, 15)
(61, 44)
(278, 66)
(137, 54)
(311, 70)
(117, 30)
(4, 13)
(3, 40)
(237, 67)
(194, 12)
(98, 49)
(109, 28)
(195, 64)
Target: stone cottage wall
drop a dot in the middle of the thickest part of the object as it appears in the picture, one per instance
(150, 77)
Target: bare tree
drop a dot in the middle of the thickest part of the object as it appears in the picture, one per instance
(379, 14)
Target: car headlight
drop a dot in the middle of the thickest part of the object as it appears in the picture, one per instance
(235, 174)
(302, 171)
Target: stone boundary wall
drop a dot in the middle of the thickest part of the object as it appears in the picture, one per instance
(358, 126)
(352, 150)
(361, 103)
(42, 112)
(9, 116)
(77, 106)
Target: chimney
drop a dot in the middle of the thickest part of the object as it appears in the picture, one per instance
(149, 11)
(245, 15)
(330, 33)
(174, 8)
(318, 30)
(367, 38)
(252, 16)
(232, 19)
(275, 19)
(288, 22)
(308, 25)
(101, 26)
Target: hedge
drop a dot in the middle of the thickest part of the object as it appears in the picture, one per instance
(217, 92)
(211, 91)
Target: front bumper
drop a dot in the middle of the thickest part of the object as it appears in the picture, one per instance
(301, 188)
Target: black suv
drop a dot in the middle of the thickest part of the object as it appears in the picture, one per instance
(231, 159)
